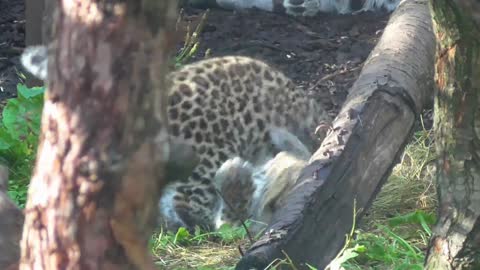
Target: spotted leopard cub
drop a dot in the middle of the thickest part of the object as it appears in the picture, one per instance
(257, 192)
(224, 108)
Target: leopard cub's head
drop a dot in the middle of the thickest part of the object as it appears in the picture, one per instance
(234, 183)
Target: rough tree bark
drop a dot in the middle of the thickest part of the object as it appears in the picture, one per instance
(356, 158)
(93, 196)
(455, 243)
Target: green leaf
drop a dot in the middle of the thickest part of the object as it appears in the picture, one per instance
(6, 141)
(348, 254)
(27, 93)
(181, 236)
(12, 118)
(229, 233)
(19, 131)
(416, 217)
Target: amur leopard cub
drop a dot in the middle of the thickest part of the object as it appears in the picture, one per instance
(226, 107)
(257, 192)
(222, 107)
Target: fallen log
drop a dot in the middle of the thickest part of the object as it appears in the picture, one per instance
(365, 142)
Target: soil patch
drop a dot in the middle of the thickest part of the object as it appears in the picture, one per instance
(323, 54)
(12, 42)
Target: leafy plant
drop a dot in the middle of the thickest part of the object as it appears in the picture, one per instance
(392, 249)
(226, 234)
(417, 217)
(191, 40)
(230, 234)
(19, 131)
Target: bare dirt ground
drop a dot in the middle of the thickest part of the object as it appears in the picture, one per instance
(12, 41)
(323, 54)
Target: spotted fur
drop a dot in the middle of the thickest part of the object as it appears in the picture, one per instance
(224, 108)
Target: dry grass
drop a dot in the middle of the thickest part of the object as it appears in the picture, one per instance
(209, 255)
(411, 184)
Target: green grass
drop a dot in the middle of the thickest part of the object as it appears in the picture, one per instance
(389, 247)
(186, 251)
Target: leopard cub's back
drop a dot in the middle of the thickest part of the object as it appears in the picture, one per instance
(230, 103)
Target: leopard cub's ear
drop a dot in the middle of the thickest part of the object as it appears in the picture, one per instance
(232, 172)
(285, 141)
(35, 60)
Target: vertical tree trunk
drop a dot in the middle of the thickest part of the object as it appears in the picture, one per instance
(455, 243)
(99, 168)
